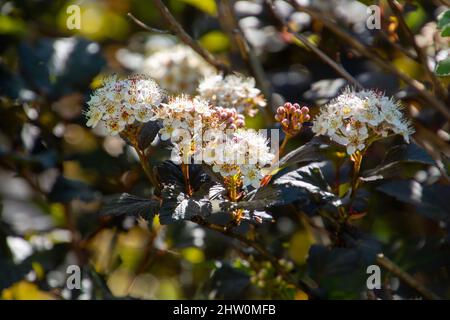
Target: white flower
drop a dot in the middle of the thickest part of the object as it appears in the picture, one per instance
(94, 116)
(355, 140)
(251, 175)
(121, 102)
(244, 152)
(114, 127)
(355, 118)
(167, 129)
(232, 91)
(177, 69)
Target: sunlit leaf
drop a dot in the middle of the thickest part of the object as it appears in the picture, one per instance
(443, 68)
(208, 6)
(215, 41)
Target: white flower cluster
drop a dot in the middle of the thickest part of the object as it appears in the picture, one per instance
(356, 118)
(177, 69)
(232, 91)
(243, 152)
(121, 102)
(197, 129)
(183, 120)
(200, 131)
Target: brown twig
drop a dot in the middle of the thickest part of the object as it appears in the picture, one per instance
(387, 264)
(146, 27)
(186, 38)
(148, 170)
(253, 244)
(229, 22)
(336, 67)
(398, 47)
(445, 2)
(370, 54)
(311, 46)
(419, 51)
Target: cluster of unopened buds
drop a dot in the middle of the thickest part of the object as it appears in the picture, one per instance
(292, 117)
(231, 117)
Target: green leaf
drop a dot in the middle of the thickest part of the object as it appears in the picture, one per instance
(215, 41)
(208, 6)
(443, 19)
(443, 68)
(12, 26)
(446, 31)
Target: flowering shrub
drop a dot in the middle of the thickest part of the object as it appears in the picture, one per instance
(222, 150)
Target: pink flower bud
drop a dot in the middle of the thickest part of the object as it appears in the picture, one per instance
(240, 123)
(281, 110)
(305, 110)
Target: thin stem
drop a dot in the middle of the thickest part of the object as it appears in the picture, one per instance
(186, 38)
(247, 53)
(381, 259)
(311, 46)
(398, 47)
(406, 278)
(337, 178)
(336, 67)
(185, 170)
(147, 168)
(420, 52)
(357, 160)
(370, 54)
(253, 244)
(283, 145)
(146, 27)
(281, 149)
